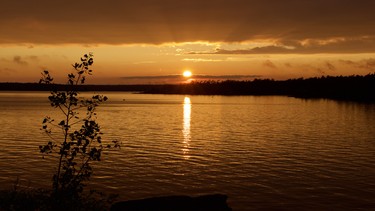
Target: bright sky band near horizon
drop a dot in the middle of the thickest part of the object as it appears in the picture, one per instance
(147, 42)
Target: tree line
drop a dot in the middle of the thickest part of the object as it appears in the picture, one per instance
(354, 87)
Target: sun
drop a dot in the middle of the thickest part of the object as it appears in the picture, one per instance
(187, 74)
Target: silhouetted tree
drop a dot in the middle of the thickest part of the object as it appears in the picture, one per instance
(81, 141)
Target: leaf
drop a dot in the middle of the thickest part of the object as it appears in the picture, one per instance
(91, 61)
(62, 123)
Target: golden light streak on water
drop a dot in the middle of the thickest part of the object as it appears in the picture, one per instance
(186, 127)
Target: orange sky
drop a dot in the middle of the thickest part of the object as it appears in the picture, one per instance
(145, 41)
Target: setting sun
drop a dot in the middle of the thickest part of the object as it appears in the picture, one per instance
(187, 73)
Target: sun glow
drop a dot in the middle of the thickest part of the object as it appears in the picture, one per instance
(187, 74)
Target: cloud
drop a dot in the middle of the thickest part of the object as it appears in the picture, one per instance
(325, 67)
(269, 64)
(367, 64)
(330, 66)
(151, 77)
(33, 58)
(166, 21)
(19, 60)
(202, 60)
(256, 50)
(348, 62)
(288, 65)
(6, 70)
(308, 46)
(227, 77)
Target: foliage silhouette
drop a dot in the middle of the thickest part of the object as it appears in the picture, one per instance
(81, 142)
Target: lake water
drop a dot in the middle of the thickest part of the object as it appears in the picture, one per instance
(263, 152)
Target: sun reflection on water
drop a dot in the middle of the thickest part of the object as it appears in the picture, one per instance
(186, 127)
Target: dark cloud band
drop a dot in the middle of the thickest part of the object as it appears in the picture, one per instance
(156, 22)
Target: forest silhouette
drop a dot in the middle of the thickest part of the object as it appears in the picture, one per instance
(354, 88)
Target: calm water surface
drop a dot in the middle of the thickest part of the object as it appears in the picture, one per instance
(263, 152)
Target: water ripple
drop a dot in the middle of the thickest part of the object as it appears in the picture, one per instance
(264, 152)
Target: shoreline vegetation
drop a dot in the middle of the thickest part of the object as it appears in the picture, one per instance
(352, 88)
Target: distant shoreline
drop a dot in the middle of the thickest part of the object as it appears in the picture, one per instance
(352, 88)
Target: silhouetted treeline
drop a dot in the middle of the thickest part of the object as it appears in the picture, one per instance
(356, 88)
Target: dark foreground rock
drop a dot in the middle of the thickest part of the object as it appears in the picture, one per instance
(216, 202)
